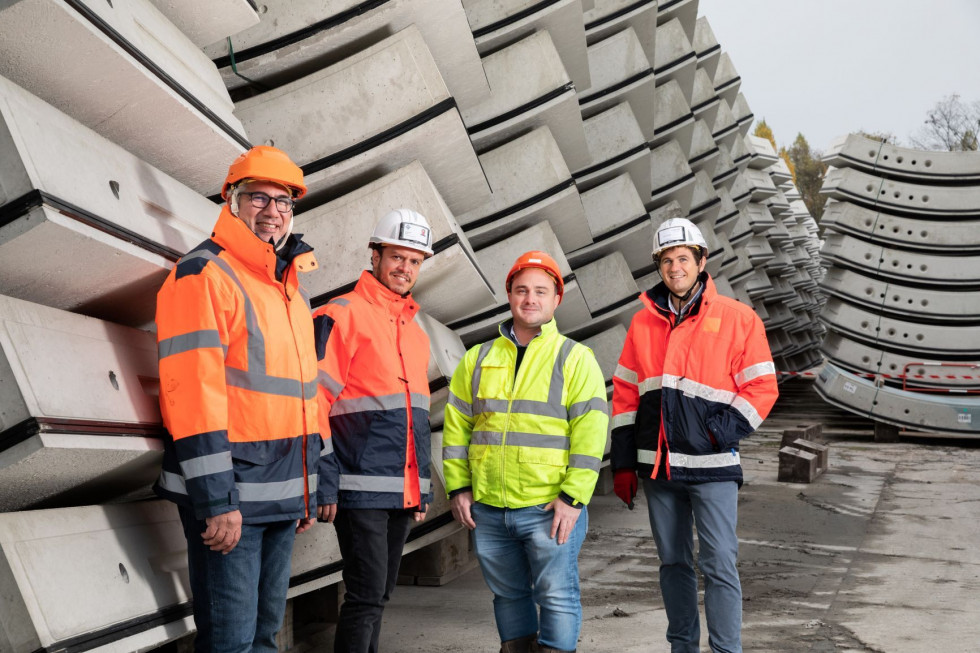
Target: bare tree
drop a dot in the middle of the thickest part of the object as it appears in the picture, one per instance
(952, 125)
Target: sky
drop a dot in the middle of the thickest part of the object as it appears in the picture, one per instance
(826, 68)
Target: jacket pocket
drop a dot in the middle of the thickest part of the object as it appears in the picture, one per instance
(541, 472)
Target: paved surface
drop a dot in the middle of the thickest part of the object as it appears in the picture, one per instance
(877, 555)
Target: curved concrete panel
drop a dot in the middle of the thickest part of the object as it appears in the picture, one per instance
(672, 178)
(862, 359)
(951, 415)
(760, 184)
(206, 22)
(931, 341)
(616, 145)
(450, 284)
(673, 118)
(675, 59)
(705, 203)
(607, 17)
(299, 37)
(737, 147)
(949, 236)
(883, 159)
(530, 183)
(762, 151)
(606, 283)
(612, 205)
(727, 80)
(704, 100)
(387, 106)
(703, 150)
(619, 72)
(147, 73)
(724, 171)
(446, 351)
(903, 302)
(542, 95)
(726, 130)
(921, 268)
(900, 197)
(743, 114)
(83, 416)
(607, 346)
(685, 11)
(706, 47)
(499, 23)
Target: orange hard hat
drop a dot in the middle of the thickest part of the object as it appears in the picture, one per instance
(540, 260)
(268, 164)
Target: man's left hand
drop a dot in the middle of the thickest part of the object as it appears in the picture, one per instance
(303, 525)
(564, 521)
(420, 515)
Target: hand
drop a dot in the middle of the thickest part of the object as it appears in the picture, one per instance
(326, 512)
(420, 515)
(303, 525)
(223, 531)
(564, 521)
(460, 504)
(624, 485)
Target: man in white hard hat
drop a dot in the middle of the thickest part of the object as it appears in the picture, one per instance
(695, 377)
(374, 416)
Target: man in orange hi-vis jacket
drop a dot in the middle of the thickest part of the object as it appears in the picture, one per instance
(374, 403)
(695, 377)
(238, 378)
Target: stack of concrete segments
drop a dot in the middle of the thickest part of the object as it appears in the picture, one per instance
(902, 253)
(140, 83)
(574, 126)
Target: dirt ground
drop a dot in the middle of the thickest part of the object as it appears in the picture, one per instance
(877, 555)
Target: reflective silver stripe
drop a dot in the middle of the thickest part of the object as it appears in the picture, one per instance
(327, 447)
(339, 301)
(489, 406)
(460, 404)
(424, 485)
(312, 481)
(583, 407)
(625, 374)
(695, 389)
(580, 461)
(754, 372)
(203, 339)
(703, 462)
(486, 437)
(382, 402)
(646, 456)
(623, 419)
(372, 483)
(329, 383)
(256, 339)
(214, 463)
(272, 491)
(652, 383)
(748, 411)
(455, 453)
(172, 482)
(271, 385)
(478, 372)
(538, 440)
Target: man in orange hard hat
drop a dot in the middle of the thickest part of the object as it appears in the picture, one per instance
(523, 439)
(238, 377)
(374, 403)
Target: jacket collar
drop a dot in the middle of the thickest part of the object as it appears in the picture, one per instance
(655, 300)
(234, 235)
(548, 329)
(379, 294)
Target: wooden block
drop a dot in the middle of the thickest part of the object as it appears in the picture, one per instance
(810, 432)
(796, 466)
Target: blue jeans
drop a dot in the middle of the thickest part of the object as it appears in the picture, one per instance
(674, 508)
(239, 598)
(525, 568)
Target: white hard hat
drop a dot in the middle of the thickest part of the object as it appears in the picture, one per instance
(678, 232)
(404, 228)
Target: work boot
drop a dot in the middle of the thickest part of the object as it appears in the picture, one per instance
(538, 648)
(519, 645)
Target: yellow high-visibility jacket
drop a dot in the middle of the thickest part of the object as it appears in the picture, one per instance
(522, 440)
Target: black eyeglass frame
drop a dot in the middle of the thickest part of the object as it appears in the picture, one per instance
(256, 198)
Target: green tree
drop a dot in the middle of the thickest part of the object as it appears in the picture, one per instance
(762, 130)
(809, 174)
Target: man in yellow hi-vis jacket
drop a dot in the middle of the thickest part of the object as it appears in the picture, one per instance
(524, 435)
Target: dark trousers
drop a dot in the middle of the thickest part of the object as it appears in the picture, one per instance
(371, 543)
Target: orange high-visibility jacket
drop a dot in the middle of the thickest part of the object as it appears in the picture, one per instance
(374, 399)
(238, 379)
(684, 395)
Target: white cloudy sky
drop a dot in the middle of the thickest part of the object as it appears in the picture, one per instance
(825, 68)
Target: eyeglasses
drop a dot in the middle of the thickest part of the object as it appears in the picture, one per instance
(261, 200)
